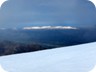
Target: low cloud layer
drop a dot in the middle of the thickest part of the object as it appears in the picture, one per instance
(49, 27)
(21, 13)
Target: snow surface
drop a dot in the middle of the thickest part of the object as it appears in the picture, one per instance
(80, 58)
(94, 70)
(2, 70)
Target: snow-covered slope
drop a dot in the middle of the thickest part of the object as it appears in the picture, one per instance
(80, 58)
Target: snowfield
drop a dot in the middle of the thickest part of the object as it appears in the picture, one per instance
(79, 58)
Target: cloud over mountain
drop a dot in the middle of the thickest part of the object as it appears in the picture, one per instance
(49, 27)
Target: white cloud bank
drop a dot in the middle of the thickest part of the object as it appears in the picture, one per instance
(49, 27)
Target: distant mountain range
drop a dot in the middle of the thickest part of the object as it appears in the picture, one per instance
(45, 37)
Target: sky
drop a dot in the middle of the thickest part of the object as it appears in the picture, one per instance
(22, 13)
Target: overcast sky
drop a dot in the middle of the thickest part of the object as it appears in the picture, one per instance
(20, 13)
